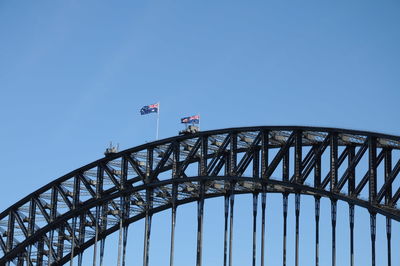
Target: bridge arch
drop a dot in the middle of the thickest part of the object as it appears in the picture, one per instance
(78, 210)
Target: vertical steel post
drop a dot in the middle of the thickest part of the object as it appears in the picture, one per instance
(40, 251)
(226, 211)
(80, 258)
(232, 155)
(333, 217)
(96, 236)
(352, 172)
(28, 255)
(149, 198)
(297, 211)
(351, 189)
(264, 167)
(317, 183)
(75, 203)
(200, 203)
(120, 231)
(255, 203)
(373, 237)
(317, 168)
(232, 173)
(227, 199)
(334, 161)
(173, 222)
(50, 254)
(175, 174)
(99, 190)
(60, 242)
(298, 157)
(203, 158)
(263, 205)
(102, 212)
(31, 227)
(147, 239)
(285, 173)
(334, 179)
(82, 229)
(372, 191)
(317, 213)
(232, 201)
(200, 213)
(124, 242)
(53, 214)
(147, 234)
(372, 169)
(103, 228)
(264, 153)
(388, 197)
(388, 236)
(351, 216)
(285, 211)
(124, 202)
(285, 167)
(102, 246)
(125, 206)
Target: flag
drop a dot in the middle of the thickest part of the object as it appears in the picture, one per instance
(194, 119)
(148, 109)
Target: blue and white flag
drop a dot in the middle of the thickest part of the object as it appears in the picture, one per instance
(148, 109)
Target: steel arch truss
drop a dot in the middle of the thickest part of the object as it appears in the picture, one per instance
(63, 218)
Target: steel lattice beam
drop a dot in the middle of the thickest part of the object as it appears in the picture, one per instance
(86, 205)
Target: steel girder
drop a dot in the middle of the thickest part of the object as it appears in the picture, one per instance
(63, 218)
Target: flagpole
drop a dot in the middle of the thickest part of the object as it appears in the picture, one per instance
(158, 120)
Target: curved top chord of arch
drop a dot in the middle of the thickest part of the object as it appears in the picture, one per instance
(354, 166)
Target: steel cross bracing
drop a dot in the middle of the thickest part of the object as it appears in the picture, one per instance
(62, 219)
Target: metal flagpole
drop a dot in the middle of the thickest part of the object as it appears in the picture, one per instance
(158, 119)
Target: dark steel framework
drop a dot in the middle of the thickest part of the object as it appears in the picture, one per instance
(62, 219)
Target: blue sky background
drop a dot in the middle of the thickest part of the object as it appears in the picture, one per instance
(74, 74)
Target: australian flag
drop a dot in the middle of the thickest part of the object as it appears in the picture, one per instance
(148, 109)
(194, 119)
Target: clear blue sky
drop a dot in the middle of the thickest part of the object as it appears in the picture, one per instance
(74, 74)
